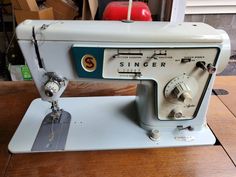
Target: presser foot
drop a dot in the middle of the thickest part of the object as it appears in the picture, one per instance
(53, 132)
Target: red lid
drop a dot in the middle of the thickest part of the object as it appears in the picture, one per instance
(118, 11)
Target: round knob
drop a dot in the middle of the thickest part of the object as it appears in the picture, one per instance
(183, 93)
(154, 135)
(176, 113)
(201, 64)
(51, 87)
(186, 98)
(181, 89)
(211, 69)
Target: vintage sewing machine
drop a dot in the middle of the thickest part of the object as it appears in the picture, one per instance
(174, 66)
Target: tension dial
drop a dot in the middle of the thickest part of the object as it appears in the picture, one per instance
(181, 89)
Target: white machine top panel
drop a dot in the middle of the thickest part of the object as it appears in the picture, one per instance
(117, 31)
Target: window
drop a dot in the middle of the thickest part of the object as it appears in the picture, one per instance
(210, 6)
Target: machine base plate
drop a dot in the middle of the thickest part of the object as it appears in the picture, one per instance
(100, 123)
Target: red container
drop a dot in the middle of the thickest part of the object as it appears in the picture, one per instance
(118, 11)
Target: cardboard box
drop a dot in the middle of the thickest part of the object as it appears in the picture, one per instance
(28, 5)
(62, 10)
(42, 14)
(89, 9)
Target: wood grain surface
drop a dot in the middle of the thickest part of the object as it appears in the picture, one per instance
(13, 105)
(4, 155)
(228, 83)
(75, 88)
(223, 124)
(204, 161)
(177, 162)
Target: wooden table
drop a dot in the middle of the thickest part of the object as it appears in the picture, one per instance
(203, 161)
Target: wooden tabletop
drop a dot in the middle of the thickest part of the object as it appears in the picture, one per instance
(202, 161)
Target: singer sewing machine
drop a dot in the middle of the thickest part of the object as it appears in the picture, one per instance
(174, 66)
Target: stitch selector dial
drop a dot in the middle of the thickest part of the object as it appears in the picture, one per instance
(181, 89)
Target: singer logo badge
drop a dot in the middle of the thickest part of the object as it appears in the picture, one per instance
(89, 63)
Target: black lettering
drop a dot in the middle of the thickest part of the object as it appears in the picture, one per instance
(136, 64)
(163, 64)
(145, 64)
(121, 64)
(128, 64)
(154, 64)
